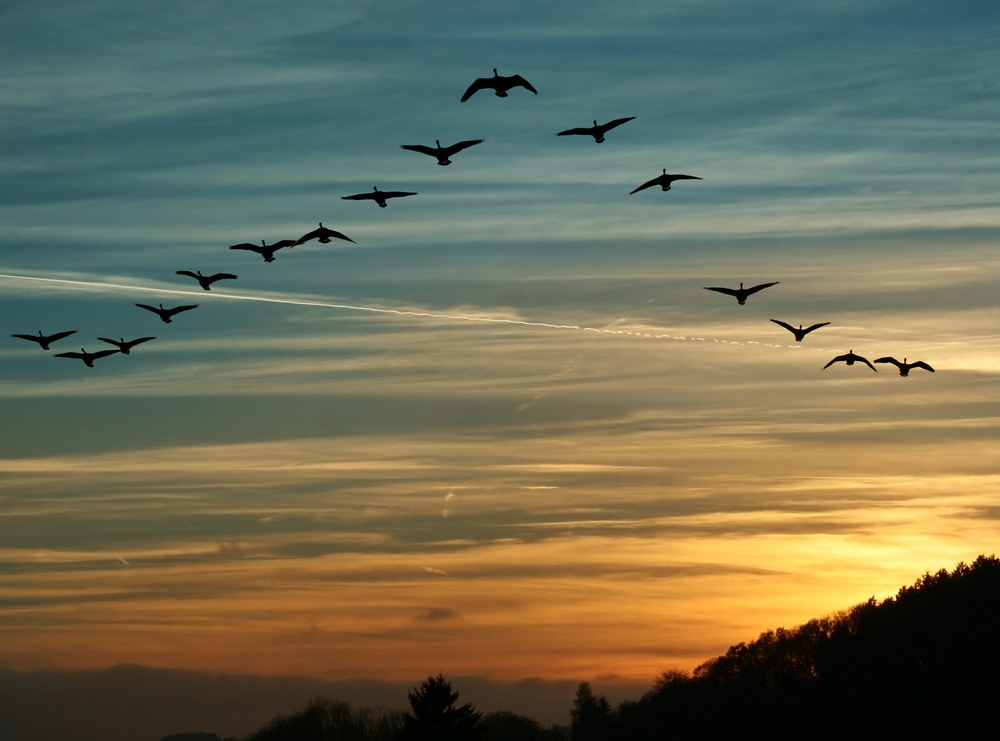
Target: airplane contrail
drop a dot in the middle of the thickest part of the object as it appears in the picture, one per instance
(295, 302)
(397, 312)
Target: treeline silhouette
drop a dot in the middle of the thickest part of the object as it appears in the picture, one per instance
(923, 664)
(434, 716)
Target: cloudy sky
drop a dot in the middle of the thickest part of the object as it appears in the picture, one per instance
(505, 434)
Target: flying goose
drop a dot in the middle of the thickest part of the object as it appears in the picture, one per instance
(850, 358)
(499, 84)
(904, 367)
(799, 333)
(322, 234)
(443, 154)
(165, 314)
(125, 346)
(44, 340)
(379, 196)
(740, 293)
(664, 181)
(87, 357)
(206, 281)
(596, 131)
(264, 250)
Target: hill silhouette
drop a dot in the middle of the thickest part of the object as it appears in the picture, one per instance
(923, 664)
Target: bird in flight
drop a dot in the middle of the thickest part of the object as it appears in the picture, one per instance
(741, 293)
(87, 357)
(264, 250)
(443, 154)
(166, 314)
(498, 84)
(904, 367)
(379, 196)
(206, 281)
(44, 340)
(322, 234)
(598, 132)
(850, 358)
(125, 346)
(799, 333)
(664, 181)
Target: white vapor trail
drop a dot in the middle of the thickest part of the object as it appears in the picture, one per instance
(377, 310)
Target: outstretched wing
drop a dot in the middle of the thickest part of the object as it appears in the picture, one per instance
(720, 289)
(515, 80)
(761, 287)
(359, 197)
(578, 130)
(479, 84)
(888, 359)
(839, 357)
(225, 276)
(459, 146)
(419, 148)
(648, 184)
(102, 354)
(815, 326)
(153, 309)
(617, 122)
(247, 246)
(179, 309)
(921, 364)
(396, 194)
(60, 335)
(865, 361)
(672, 178)
(73, 354)
(789, 327)
(188, 272)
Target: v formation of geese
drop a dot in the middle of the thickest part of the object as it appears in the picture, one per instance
(501, 86)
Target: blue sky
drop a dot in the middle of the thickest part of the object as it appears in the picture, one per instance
(508, 415)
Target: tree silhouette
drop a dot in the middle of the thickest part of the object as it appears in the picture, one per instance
(593, 718)
(332, 720)
(435, 717)
(923, 664)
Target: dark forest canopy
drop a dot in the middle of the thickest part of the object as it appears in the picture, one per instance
(924, 663)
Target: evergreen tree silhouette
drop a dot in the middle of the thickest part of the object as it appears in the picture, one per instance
(435, 717)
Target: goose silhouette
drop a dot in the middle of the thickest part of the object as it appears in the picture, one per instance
(264, 250)
(87, 357)
(596, 131)
(322, 234)
(664, 181)
(499, 84)
(45, 340)
(904, 367)
(799, 333)
(850, 358)
(379, 196)
(206, 281)
(125, 346)
(443, 154)
(166, 314)
(740, 293)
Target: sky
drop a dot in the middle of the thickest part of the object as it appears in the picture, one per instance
(504, 435)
